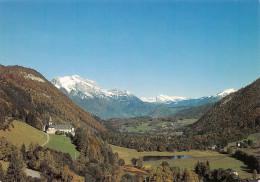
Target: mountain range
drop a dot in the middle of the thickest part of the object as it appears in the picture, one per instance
(116, 103)
(184, 101)
(104, 103)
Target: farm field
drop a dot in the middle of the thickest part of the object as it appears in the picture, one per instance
(151, 126)
(187, 121)
(23, 133)
(215, 159)
(62, 144)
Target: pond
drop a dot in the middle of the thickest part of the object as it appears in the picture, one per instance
(156, 158)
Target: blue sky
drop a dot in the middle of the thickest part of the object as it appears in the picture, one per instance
(177, 48)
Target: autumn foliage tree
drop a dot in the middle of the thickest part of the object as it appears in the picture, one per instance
(166, 174)
(96, 159)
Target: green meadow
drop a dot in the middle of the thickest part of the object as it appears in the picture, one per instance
(23, 133)
(62, 144)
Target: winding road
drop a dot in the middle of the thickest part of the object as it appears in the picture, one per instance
(48, 138)
(33, 173)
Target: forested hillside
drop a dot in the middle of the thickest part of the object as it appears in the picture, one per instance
(232, 118)
(26, 95)
(194, 112)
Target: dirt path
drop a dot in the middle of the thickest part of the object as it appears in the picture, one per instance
(132, 169)
(48, 138)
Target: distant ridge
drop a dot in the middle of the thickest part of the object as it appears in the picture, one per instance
(163, 99)
(175, 101)
(26, 95)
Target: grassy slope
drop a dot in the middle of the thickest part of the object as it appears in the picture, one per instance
(23, 133)
(187, 121)
(215, 159)
(255, 137)
(62, 144)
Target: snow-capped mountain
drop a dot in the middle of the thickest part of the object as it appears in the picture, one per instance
(75, 85)
(225, 93)
(121, 103)
(163, 99)
(184, 101)
(107, 103)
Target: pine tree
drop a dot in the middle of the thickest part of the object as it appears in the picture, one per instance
(207, 163)
(203, 170)
(134, 160)
(140, 162)
(2, 175)
(15, 170)
(23, 152)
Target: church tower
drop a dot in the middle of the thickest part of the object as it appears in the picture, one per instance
(50, 121)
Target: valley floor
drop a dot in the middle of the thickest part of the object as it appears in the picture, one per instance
(215, 159)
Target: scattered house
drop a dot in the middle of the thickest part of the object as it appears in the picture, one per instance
(51, 129)
(238, 144)
(212, 147)
(164, 126)
(232, 171)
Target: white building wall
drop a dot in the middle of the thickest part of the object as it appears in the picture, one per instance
(51, 130)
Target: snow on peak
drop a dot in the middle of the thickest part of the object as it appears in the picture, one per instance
(74, 84)
(225, 92)
(90, 89)
(149, 99)
(120, 92)
(170, 99)
(163, 99)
